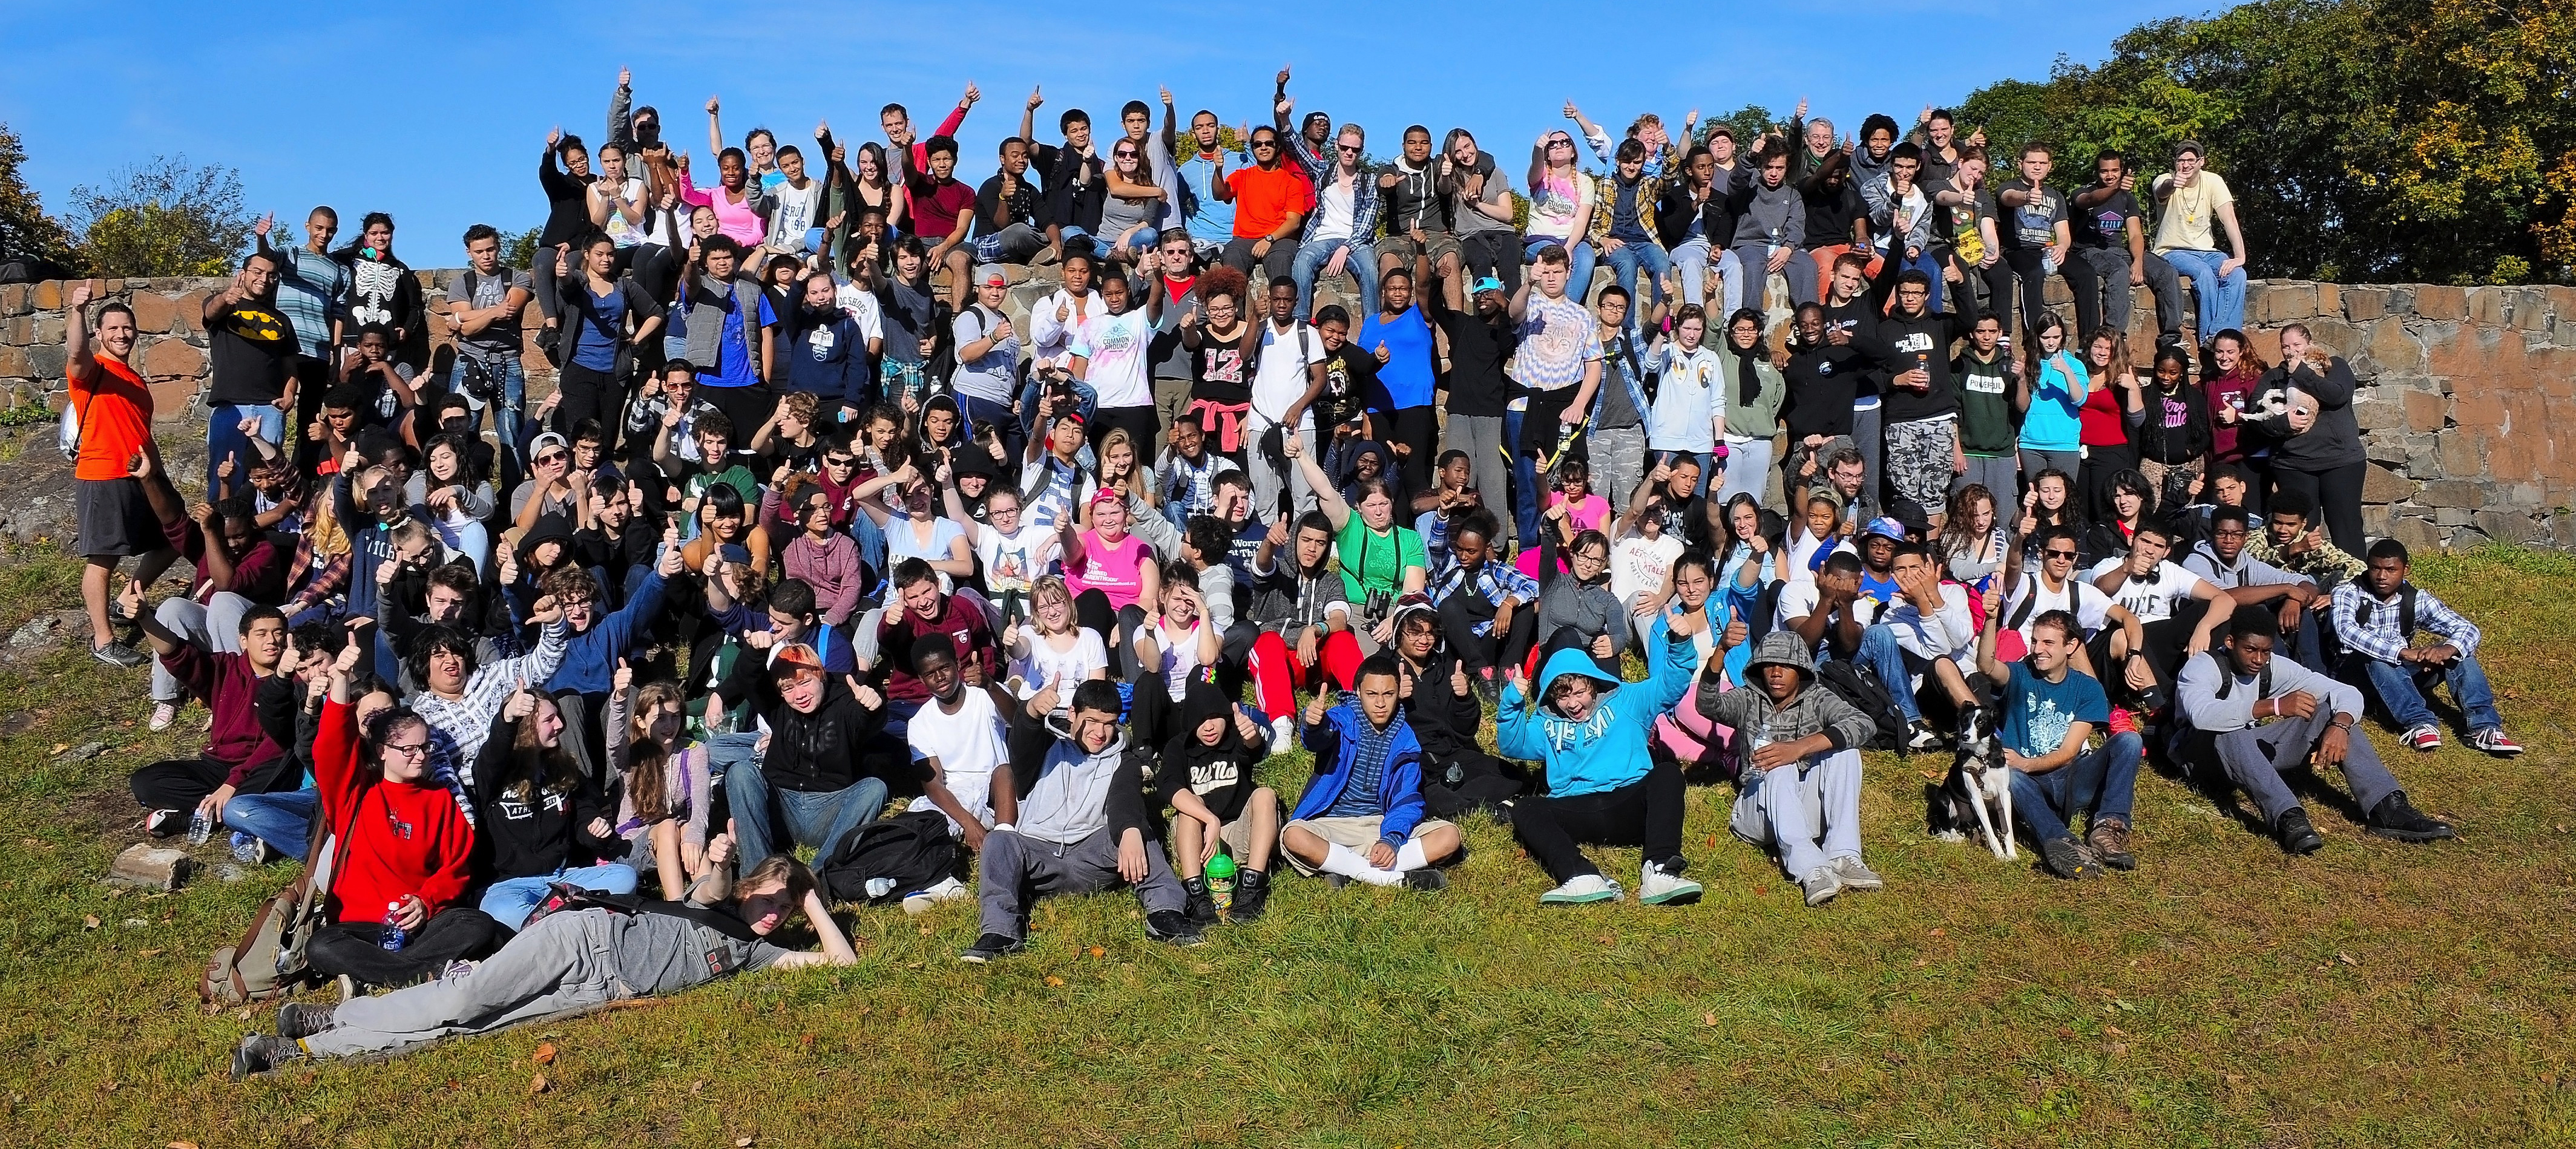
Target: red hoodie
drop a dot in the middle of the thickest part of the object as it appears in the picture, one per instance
(396, 838)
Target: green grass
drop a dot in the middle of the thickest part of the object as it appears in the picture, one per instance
(2223, 995)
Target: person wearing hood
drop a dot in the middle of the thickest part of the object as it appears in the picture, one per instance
(1081, 828)
(1799, 794)
(2224, 560)
(1588, 731)
(539, 821)
(1206, 778)
(1440, 702)
(807, 789)
(1361, 817)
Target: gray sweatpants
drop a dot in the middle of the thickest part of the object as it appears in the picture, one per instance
(1016, 870)
(215, 627)
(1273, 476)
(2255, 757)
(1481, 436)
(1809, 814)
(1999, 474)
(564, 962)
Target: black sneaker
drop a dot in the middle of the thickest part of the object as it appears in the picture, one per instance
(1251, 895)
(1920, 738)
(258, 1053)
(1201, 907)
(165, 823)
(1486, 691)
(2064, 858)
(1428, 879)
(2296, 834)
(119, 655)
(2399, 819)
(296, 1020)
(992, 947)
(1173, 927)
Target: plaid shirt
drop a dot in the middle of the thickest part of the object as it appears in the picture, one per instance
(1493, 582)
(2381, 636)
(1319, 170)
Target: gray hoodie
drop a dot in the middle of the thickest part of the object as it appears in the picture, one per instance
(1074, 794)
(1766, 214)
(1812, 710)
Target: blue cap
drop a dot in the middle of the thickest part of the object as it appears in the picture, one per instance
(1885, 527)
(1488, 283)
(734, 553)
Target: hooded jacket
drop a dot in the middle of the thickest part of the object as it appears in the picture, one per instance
(1336, 743)
(1075, 793)
(1763, 214)
(815, 753)
(1220, 774)
(1607, 750)
(1813, 710)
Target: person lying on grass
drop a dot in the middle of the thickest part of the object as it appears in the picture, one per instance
(576, 958)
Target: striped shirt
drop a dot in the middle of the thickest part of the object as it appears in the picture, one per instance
(311, 290)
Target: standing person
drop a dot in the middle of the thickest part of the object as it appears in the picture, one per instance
(1113, 353)
(1754, 389)
(1400, 405)
(2232, 391)
(2106, 448)
(483, 307)
(1922, 407)
(250, 349)
(1287, 379)
(114, 412)
(1685, 420)
(1339, 237)
(2036, 237)
(2318, 450)
(1560, 211)
(2111, 255)
(311, 291)
(1771, 221)
(1983, 373)
(1477, 321)
(1616, 442)
(988, 358)
(1555, 367)
(732, 334)
(605, 317)
(2192, 204)
(383, 290)
(1271, 201)
(2170, 424)
(2052, 394)
(1074, 177)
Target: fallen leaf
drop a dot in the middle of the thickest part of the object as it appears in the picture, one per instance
(149, 953)
(545, 1054)
(2113, 1030)
(696, 1086)
(1097, 951)
(807, 1041)
(89, 922)
(2346, 959)
(1708, 1019)
(1054, 981)
(539, 1084)
(744, 1143)
(1938, 932)
(307, 1119)
(183, 1145)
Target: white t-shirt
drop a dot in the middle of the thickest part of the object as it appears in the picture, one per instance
(797, 211)
(969, 745)
(1117, 350)
(1950, 632)
(1180, 656)
(1281, 377)
(619, 231)
(1802, 552)
(2155, 596)
(1008, 559)
(1639, 566)
(1045, 665)
(1798, 600)
(2082, 599)
(1335, 201)
(861, 307)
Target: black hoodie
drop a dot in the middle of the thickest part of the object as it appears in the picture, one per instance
(541, 832)
(813, 753)
(1221, 774)
(1920, 341)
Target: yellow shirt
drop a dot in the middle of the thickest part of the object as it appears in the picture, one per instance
(2190, 217)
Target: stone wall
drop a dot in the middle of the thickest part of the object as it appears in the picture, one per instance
(2462, 388)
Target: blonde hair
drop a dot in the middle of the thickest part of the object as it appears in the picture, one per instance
(1047, 588)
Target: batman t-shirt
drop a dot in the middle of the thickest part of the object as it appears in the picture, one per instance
(252, 346)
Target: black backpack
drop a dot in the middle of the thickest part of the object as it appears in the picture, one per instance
(912, 851)
(1859, 686)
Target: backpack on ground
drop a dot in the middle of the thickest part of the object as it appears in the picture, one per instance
(1859, 686)
(896, 856)
(268, 962)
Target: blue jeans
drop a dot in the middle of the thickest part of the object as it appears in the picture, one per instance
(2402, 689)
(2221, 297)
(506, 414)
(1084, 400)
(1879, 652)
(224, 437)
(2103, 781)
(283, 819)
(1627, 259)
(1578, 280)
(1361, 264)
(510, 900)
(768, 821)
(1524, 482)
(1927, 265)
(871, 539)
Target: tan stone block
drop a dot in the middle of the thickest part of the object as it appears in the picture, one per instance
(2393, 349)
(2381, 485)
(2460, 454)
(173, 357)
(191, 306)
(2487, 306)
(13, 298)
(154, 313)
(148, 867)
(2363, 304)
(14, 365)
(2285, 301)
(46, 296)
(170, 399)
(2423, 411)
(2434, 301)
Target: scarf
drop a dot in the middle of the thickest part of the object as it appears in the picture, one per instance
(1748, 384)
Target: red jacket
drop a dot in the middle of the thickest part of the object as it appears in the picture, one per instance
(396, 839)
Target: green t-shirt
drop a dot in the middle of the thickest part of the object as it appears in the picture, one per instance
(1373, 561)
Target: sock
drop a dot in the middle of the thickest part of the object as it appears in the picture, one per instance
(1350, 864)
(1410, 857)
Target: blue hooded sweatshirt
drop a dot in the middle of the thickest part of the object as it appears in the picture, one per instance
(590, 661)
(1336, 743)
(1607, 750)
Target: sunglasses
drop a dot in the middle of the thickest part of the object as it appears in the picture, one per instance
(1265, 143)
(552, 457)
(2067, 555)
(1123, 154)
(830, 462)
(1347, 149)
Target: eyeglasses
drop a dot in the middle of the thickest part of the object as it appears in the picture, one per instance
(409, 749)
(1123, 154)
(2056, 554)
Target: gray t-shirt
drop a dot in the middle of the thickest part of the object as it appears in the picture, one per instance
(1498, 192)
(662, 953)
(993, 377)
(2033, 225)
(474, 291)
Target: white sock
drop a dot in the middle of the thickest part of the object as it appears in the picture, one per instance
(1410, 857)
(1343, 860)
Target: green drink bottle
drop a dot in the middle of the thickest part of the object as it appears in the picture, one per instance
(1220, 880)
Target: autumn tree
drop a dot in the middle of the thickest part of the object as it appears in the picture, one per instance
(163, 218)
(25, 228)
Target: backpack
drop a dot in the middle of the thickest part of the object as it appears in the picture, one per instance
(900, 855)
(2361, 615)
(1859, 686)
(268, 962)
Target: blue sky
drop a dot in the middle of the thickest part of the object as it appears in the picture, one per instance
(439, 120)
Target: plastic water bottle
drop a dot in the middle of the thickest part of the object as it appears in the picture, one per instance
(1220, 880)
(394, 937)
(880, 887)
(200, 827)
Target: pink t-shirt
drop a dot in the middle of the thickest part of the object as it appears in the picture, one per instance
(742, 221)
(1589, 513)
(1116, 569)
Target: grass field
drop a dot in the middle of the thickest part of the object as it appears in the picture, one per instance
(2224, 994)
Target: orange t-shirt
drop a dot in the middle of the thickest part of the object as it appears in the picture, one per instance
(116, 421)
(1264, 198)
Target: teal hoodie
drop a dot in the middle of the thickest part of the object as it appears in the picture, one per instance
(1607, 750)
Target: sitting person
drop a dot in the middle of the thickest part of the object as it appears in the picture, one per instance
(1207, 780)
(572, 960)
(539, 819)
(2047, 711)
(596, 641)
(1578, 611)
(808, 787)
(2259, 717)
(1833, 617)
(459, 695)
(1305, 616)
(1588, 729)
(663, 791)
(1485, 603)
(2375, 619)
(961, 748)
(240, 755)
(236, 567)
(2223, 559)
(1361, 817)
(2180, 614)
(2294, 539)
(1440, 702)
(1800, 744)
(1081, 829)
(407, 854)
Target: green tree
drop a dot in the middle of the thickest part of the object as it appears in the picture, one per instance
(163, 218)
(520, 250)
(25, 228)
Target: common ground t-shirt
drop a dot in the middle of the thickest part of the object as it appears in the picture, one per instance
(2034, 224)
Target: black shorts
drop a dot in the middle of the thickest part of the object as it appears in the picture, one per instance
(114, 519)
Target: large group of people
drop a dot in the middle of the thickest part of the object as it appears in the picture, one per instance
(815, 537)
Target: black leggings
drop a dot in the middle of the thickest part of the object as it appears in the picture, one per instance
(1646, 812)
(178, 784)
(1482, 652)
(357, 948)
(2337, 493)
(747, 407)
(1415, 428)
(584, 393)
(1143, 424)
(2100, 463)
(1091, 609)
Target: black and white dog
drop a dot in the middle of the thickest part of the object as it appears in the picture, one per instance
(1977, 794)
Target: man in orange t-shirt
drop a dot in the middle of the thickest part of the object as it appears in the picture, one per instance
(114, 411)
(1270, 205)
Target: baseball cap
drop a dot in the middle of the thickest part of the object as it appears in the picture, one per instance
(795, 659)
(735, 553)
(1885, 527)
(537, 445)
(1107, 495)
(2189, 146)
(1488, 283)
(996, 279)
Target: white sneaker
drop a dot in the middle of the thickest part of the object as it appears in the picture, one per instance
(1281, 737)
(1586, 888)
(1657, 888)
(1820, 885)
(947, 890)
(1855, 876)
(163, 714)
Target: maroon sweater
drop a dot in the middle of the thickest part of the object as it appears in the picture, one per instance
(224, 682)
